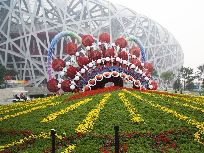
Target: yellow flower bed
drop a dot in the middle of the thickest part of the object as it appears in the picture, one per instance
(69, 149)
(53, 116)
(133, 112)
(30, 110)
(24, 105)
(175, 102)
(199, 125)
(21, 141)
(88, 122)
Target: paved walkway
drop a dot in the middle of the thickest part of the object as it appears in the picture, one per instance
(5, 102)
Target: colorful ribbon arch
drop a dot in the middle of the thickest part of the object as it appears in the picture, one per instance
(52, 45)
(139, 43)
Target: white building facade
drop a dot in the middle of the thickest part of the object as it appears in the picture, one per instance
(28, 26)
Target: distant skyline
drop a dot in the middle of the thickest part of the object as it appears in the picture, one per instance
(183, 18)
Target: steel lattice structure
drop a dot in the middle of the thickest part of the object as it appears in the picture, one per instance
(28, 26)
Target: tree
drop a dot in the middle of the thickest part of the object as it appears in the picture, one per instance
(167, 77)
(201, 68)
(155, 73)
(177, 84)
(188, 76)
(4, 72)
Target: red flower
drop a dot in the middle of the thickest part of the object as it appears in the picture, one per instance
(71, 48)
(121, 42)
(104, 37)
(87, 40)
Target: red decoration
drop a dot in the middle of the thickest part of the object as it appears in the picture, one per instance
(52, 85)
(87, 40)
(87, 88)
(107, 74)
(92, 82)
(147, 73)
(110, 52)
(123, 75)
(148, 66)
(123, 55)
(99, 77)
(71, 48)
(130, 78)
(136, 62)
(94, 55)
(71, 72)
(155, 85)
(104, 37)
(58, 64)
(115, 74)
(121, 42)
(65, 85)
(82, 61)
(137, 83)
(7, 77)
(135, 51)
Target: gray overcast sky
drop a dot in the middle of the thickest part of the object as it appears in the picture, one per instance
(183, 18)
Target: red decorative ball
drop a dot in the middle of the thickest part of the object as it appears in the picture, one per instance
(104, 37)
(148, 66)
(136, 62)
(82, 61)
(52, 85)
(135, 51)
(94, 55)
(65, 85)
(123, 55)
(58, 64)
(71, 72)
(71, 48)
(87, 40)
(110, 52)
(121, 42)
(155, 85)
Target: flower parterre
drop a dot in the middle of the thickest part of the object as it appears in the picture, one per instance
(175, 102)
(187, 98)
(29, 110)
(200, 125)
(135, 117)
(92, 92)
(88, 122)
(53, 116)
(10, 107)
(69, 149)
(32, 103)
(25, 139)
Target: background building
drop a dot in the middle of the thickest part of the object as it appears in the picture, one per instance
(28, 26)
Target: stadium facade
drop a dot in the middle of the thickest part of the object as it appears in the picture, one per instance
(28, 26)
